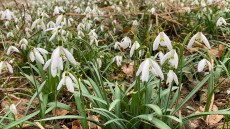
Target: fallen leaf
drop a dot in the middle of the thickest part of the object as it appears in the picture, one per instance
(60, 112)
(92, 125)
(128, 70)
(76, 124)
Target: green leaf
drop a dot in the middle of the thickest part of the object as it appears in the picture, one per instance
(113, 104)
(198, 86)
(21, 120)
(156, 108)
(156, 122)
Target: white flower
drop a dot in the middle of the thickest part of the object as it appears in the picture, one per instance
(54, 32)
(59, 20)
(13, 109)
(152, 10)
(149, 65)
(38, 24)
(7, 14)
(159, 56)
(116, 45)
(135, 23)
(199, 36)
(202, 64)
(58, 10)
(173, 58)
(5, 65)
(57, 59)
(134, 47)
(9, 34)
(37, 54)
(12, 49)
(221, 21)
(23, 43)
(125, 42)
(99, 62)
(163, 40)
(171, 76)
(118, 60)
(77, 10)
(93, 37)
(69, 80)
(228, 91)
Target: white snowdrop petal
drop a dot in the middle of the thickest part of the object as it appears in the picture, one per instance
(60, 63)
(132, 51)
(9, 67)
(156, 43)
(167, 41)
(145, 71)
(70, 57)
(158, 70)
(13, 109)
(175, 78)
(47, 64)
(42, 51)
(201, 65)
(32, 56)
(140, 69)
(192, 41)
(205, 40)
(69, 84)
(209, 65)
(1, 66)
(60, 84)
(38, 57)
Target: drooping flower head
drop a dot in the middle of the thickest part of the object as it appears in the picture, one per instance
(163, 40)
(199, 36)
(5, 65)
(202, 64)
(56, 60)
(38, 54)
(221, 21)
(134, 47)
(172, 56)
(12, 49)
(149, 65)
(69, 80)
(118, 60)
(171, 76)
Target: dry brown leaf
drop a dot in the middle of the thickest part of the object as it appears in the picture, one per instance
(128, 70)
(76, 124)
(92, 125)
(64, 127)
(60, 112)
(217, 52)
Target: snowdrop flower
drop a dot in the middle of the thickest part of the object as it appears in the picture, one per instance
(172, 56)
(93, 37)
(58, 10)
(9, 34)
(69, 80)
(77, 10)
(118, 60)
(59, 20)
(116, 45)
(23, 42)
(135, 23)
(39, 24)
(221, 21)
(13, 109)
(125, 42)
(56, 61)
(171, 76)
(5, 65)
(199, 36)
(7, 15)
(11, 49)
(38, 54)
(159, 56)
(152, 10)
(99, 62)
(202, 64)
(163, 40)
(134, 47)
(149, 65)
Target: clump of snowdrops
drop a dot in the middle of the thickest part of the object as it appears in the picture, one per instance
(72, 48)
